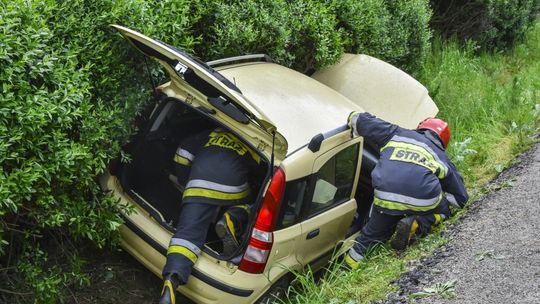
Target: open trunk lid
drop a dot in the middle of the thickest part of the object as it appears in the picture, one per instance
(222, 96)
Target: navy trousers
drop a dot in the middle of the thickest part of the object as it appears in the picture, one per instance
(381, 226)
(193, 224)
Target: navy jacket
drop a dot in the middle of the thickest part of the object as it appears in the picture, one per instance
(217, 166)
(413, 172)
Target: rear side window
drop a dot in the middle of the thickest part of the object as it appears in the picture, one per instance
(293, 199)
(334, 181)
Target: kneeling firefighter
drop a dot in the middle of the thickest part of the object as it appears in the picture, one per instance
(215, 166)
(413, 181)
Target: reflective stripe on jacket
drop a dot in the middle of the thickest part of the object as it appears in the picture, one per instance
(219, 171)
(186, 152)
(413, 170)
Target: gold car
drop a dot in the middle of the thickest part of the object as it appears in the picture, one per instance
(313, 185)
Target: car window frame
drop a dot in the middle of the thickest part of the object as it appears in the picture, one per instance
(298, 218)
(310, 188)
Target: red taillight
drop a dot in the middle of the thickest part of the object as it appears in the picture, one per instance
(262, 238)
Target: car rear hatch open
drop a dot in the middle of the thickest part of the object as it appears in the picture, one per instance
(222, 97)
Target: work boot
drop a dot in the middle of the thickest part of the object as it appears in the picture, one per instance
(228, 230)
(351, 261)
(406, 230)
(168, 295)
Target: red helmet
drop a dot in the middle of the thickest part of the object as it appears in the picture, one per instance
(439, 126)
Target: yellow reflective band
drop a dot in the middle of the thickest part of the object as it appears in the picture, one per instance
(411, 153)
(255, 156)
(168, 284)
(181, 160)
(183, 251)
(229, 141)
(351, 262)
(230, 224)
(242, 206)
(438, 219)
(215, 194)
(402, 206)
(414, 227)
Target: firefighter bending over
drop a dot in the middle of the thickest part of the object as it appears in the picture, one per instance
(216, 165)
(413, 181)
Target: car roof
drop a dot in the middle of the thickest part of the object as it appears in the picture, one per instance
(299, 106)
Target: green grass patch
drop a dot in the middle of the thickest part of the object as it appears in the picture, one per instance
(492, 102)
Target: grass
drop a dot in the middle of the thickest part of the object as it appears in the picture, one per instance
(492, 102)
(444, 290)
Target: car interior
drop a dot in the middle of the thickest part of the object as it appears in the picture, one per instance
(364, 191)
(149, 177)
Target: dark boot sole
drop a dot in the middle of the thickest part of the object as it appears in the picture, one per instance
(401, 237)
(229, 243)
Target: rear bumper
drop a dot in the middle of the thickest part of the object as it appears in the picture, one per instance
(201, 287)
(212, 280)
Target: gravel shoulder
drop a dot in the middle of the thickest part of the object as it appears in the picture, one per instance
(493, 253)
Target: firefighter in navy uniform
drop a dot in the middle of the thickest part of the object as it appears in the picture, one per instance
(414, 182)
(214, 165)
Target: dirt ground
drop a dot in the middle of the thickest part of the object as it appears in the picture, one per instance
(116, 278)
(493, 253)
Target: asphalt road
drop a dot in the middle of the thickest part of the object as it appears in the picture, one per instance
(493, 255)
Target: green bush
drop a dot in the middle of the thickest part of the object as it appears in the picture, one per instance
(492, 24)
(409, 33)
(395, 31)
(231, 28)
(298, 34)
(316, 40)
(70, 87)
(365, 26)
(307, 35)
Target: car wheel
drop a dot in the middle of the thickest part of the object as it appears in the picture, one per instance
(278, 291)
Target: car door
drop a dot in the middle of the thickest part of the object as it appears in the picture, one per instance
(379, 88)
(329, 204)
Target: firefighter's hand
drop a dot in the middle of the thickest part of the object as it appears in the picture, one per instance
(351, 122)
(452, 200)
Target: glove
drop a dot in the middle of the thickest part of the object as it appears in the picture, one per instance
(351, 122)
(452, 200)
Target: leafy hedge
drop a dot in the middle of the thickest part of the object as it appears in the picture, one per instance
(70, 87)
(308, 35)
(396, 31)
(296, 33)
(492, 24)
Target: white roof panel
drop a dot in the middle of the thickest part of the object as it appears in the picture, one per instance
(299, 106)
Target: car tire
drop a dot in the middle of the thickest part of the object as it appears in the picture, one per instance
(277, 291)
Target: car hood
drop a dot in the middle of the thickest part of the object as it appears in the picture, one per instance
(380, 88)
(222, 96)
